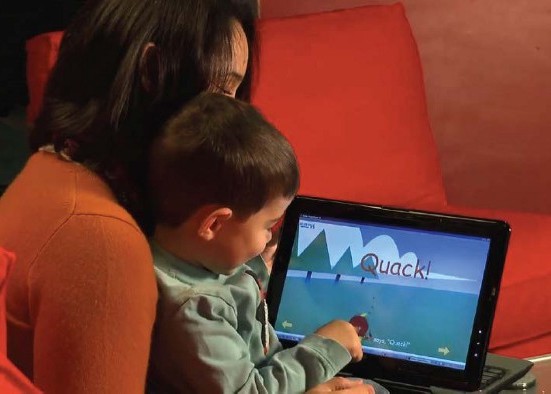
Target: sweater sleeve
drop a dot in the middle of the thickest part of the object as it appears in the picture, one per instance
(93, 305)
(202, 351)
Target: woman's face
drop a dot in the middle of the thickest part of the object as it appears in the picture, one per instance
(238, 67)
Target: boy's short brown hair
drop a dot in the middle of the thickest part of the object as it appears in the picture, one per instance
(219, 150)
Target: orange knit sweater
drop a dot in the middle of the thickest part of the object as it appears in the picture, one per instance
(82, 294)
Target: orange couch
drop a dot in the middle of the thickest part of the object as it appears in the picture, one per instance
(347, 88)
(12, 380)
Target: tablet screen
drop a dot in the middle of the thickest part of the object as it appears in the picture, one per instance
(411, 293)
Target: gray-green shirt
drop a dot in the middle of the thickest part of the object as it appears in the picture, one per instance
(208, 340)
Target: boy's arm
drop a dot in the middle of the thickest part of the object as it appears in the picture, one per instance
(201, 350)
(316, 358)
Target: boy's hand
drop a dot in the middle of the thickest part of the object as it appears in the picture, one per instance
(344, 333)
(269, 252)
(344, 385)
(268, 256)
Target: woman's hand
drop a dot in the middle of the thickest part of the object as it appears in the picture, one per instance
(344, 385)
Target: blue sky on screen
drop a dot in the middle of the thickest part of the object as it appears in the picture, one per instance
(411, 257)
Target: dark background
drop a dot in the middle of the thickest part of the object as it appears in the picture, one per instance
(20, 20)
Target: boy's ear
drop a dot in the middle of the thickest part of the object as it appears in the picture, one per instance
(212, 221)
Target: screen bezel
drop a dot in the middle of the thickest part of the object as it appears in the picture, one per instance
(373, 366)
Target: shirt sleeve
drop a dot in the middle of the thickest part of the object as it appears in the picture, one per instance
(93, 303)
(202, 351)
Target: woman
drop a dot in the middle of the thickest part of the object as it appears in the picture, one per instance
(82, 295)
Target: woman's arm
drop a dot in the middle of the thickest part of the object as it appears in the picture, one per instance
(93, 298)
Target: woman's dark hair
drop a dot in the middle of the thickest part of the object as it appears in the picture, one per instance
(221, 151)
(105, 100)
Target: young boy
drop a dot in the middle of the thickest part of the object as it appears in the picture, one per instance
(221, 177)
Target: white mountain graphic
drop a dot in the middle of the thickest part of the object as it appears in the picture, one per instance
(340, 238)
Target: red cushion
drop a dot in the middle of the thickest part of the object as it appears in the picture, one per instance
(41, 56)
(11, 379)
(6, 261)
(346, 87)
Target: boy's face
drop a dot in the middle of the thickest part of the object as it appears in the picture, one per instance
(242, 239)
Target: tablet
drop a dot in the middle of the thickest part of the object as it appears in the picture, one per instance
(420, 287)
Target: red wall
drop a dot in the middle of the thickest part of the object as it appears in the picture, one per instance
(487, 68)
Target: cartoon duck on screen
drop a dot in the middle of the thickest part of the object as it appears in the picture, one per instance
(362, 326)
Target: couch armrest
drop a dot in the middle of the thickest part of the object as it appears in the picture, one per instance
(522, 324)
